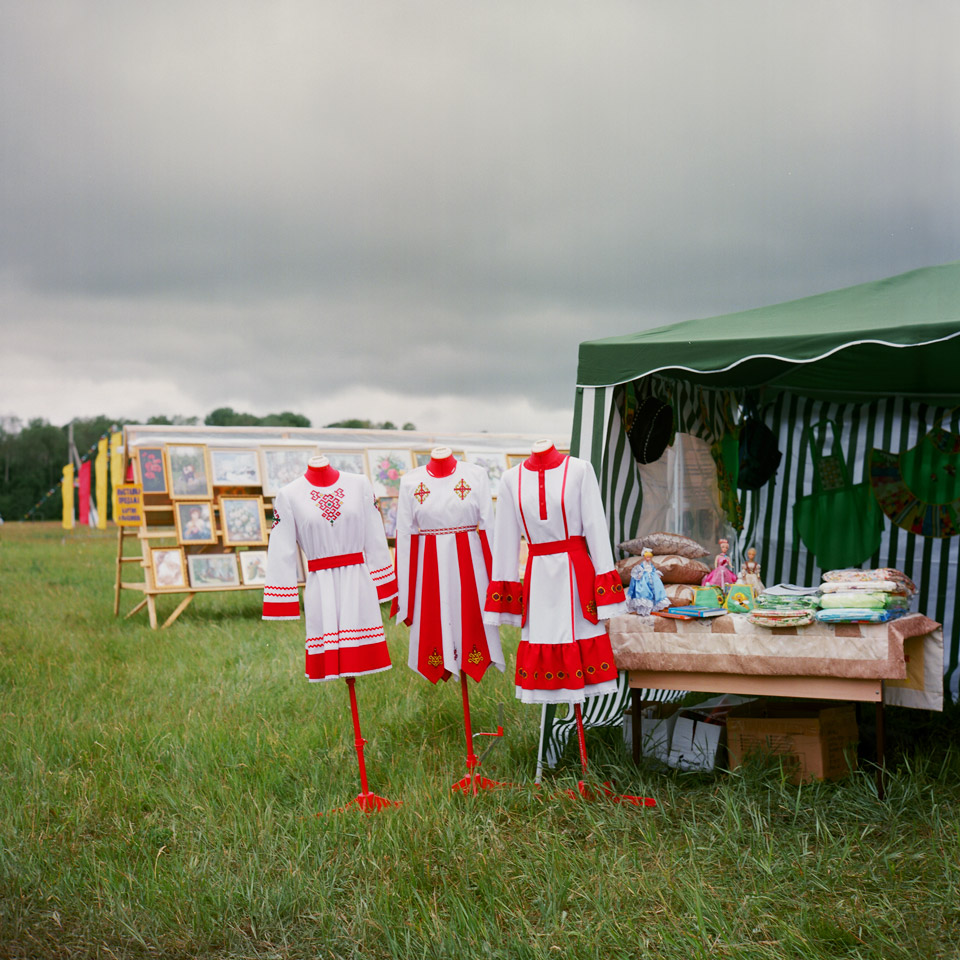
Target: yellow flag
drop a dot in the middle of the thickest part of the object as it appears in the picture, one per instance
(116, 470)
(66, 490)
(100, 464)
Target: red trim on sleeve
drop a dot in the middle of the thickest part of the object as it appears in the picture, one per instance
(387, 590)
(504, 596)
(608, 588)
(289, 608)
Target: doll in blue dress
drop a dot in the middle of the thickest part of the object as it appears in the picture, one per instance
(645, 592)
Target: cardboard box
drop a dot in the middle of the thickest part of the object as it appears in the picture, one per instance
(819, 737)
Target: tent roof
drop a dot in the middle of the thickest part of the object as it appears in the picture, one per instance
(900, 335)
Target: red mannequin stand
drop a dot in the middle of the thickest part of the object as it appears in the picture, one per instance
(603, 792)
(473, 782)
(366, 801)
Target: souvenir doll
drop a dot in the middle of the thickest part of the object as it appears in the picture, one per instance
(645, 593)
(750, 572)
(722, 575)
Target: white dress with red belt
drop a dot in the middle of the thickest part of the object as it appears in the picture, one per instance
(443, 568)
(564, 653)
(349, 574)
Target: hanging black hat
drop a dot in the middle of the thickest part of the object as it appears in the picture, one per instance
(651, 429)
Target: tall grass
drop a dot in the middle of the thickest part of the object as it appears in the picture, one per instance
(159, 795)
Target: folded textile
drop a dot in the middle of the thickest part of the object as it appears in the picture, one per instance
(796, 618)
(875, 586)
(857, 600)
(767, 601)
(852, 615)
(881, 573)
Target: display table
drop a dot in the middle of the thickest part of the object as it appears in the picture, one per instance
(728, 654)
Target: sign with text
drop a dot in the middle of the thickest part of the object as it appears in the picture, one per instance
(130, 505)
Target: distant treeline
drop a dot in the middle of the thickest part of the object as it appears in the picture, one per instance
(33, 455)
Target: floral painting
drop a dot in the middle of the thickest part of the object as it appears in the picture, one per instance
(386, 469)
(150, 468)
(242, 521)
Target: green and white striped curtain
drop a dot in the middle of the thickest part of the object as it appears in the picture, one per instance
(892, 424)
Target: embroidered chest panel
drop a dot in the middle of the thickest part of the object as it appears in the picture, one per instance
(421, 493)
(328, 503)
(462, 489)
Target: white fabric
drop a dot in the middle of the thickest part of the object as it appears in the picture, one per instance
(433, 506)
(341, 605)
(574, 508)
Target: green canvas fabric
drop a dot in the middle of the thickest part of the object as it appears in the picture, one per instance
(903, 332)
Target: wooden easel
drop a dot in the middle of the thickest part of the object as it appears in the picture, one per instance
(159, 526)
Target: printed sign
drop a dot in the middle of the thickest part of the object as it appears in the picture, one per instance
(130, 505)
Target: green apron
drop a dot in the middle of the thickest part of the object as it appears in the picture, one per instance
(840, 523)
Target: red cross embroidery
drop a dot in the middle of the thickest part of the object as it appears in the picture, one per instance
(462, 489)
(421, 493)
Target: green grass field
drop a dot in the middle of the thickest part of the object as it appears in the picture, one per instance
(159, 792)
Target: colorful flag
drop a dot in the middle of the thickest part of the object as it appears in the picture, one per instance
(83, 494)
(116, 469)
(66, 490)
(102, 484)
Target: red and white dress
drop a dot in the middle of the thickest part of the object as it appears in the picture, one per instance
(564, 654)
(443, 568)
(349, 574)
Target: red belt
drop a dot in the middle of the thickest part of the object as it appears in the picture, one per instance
(330, 563)
(576, 547)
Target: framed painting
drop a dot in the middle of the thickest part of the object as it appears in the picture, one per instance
(386, 469)
(151, 473)
(215, 570)
(347, 461)
(494, 463)
(253, 567)
(188, 472)
(194, 521)
(515, 459)
(388, 510)
(281, 465)
(234, 468)
(169, 567)
(241, 521)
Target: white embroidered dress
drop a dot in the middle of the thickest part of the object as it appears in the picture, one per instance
(564, 654)
(349, 574)
(443, 568)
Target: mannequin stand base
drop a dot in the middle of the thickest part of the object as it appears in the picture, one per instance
(366, 803)
(603, 792)
(476, 782)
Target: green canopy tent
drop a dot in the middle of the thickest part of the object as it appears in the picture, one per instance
(881, 360)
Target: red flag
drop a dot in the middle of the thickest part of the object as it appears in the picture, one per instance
(83, 494)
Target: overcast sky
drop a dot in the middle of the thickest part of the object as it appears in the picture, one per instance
(417, 210)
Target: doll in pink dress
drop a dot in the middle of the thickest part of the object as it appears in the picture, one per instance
(722, 574)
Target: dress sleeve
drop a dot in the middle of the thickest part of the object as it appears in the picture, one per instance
(504, 602)
(376, 553)
(407, 543)
(608, 588)
(281, 598)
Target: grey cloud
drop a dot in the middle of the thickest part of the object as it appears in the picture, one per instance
(452, 193)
